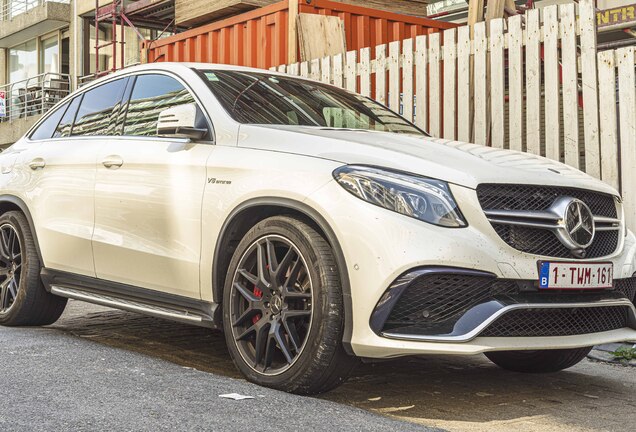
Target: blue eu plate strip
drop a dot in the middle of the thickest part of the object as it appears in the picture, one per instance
(544, 275)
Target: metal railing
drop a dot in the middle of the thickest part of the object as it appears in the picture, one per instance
(9, 9)
(32, 96)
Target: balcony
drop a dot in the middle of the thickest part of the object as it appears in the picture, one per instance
(21, 20)
(22, 103)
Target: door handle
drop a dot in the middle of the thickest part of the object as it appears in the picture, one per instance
(37, 163)
(113, 161)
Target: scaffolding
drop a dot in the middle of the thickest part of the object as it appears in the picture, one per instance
(150, 14)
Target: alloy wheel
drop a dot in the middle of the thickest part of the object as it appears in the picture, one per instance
(271, 305)
(10, 266)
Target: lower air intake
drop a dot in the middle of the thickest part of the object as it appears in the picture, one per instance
(558, 322)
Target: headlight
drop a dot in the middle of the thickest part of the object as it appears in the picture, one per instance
(426, 199)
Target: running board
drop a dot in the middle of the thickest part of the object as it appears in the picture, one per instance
(185, 316)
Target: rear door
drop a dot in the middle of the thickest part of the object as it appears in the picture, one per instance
(60, 176)
(148, 196)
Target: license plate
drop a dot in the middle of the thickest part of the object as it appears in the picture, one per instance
(574, 275)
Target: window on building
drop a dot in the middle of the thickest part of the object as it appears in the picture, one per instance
(49, 55)
(152, 94)
(97, 109)
(23, 61)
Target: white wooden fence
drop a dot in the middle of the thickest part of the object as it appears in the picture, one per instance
(531, 83)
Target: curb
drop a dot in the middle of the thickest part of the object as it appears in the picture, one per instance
(603, 353)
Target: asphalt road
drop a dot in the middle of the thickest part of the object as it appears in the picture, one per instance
(51, 381)
(121, 370)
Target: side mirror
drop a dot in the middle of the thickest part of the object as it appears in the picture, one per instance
(182, 121)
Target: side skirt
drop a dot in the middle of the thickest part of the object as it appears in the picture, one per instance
(132, 298)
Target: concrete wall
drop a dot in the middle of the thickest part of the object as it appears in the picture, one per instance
(12, 131)
(41, 19)
(3, 66)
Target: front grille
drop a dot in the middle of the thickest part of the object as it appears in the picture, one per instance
(437, 298)
(544, 242)
(538, 241)
(627, 287)
(530, 197)
(558, 322)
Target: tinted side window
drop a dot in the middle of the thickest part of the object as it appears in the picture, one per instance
(64, 127)
(97, 109)
(47, 127)
(152, 94)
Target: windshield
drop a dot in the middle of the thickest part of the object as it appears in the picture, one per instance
(262, 98)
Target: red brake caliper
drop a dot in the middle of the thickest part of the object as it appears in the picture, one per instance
(257, 293)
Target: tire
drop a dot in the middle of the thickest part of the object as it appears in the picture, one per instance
(545, 361)
(23, 299)
(306, 354)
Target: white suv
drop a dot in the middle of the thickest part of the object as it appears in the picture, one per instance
(311, 224)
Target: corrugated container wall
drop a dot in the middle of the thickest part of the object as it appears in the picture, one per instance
(259, 38)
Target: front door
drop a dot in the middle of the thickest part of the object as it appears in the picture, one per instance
(148, 197)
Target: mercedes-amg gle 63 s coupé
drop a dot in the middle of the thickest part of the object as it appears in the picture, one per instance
(312, 225)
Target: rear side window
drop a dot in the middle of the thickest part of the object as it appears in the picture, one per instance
(152, 94)
(64, 127)
(47, 127)
(98, 108)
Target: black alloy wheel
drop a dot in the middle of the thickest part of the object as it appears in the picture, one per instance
(24, 301)
(10, 266)
(283, 308)
(271, 305)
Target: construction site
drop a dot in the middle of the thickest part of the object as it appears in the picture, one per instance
(50, 47)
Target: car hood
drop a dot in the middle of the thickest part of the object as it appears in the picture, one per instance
(452, 161)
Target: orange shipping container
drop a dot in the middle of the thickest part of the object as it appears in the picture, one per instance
(259, 38)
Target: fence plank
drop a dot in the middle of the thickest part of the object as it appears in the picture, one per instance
(552, 95)
(380, 74)
(608, 111)
(515, 83)
(421, 82)
(325, 70)
(314, 70)
(338, 79)
(393, 66)
(587, 21)
(480, 132)
(351, 78)
(294, 69)
(464, 96)
(407, 79)
(570, 85)
(435, 86)
(304, 69)
(533, 82)
(450, 93)
(365, 71)
(282, 68)
(627, 95)
(497, 131)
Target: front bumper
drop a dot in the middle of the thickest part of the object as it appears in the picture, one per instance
(441, 304)
(380, 246)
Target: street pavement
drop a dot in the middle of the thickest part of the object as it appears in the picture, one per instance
(51, 381)
(123, 371)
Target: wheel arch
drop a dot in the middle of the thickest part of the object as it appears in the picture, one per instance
(14, 203)
(252, 211)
